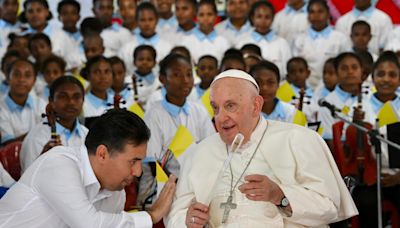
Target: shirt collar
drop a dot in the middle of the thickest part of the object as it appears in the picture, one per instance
(174, 110)
(16, 107)
(343, 95)
(256, 134)
(245, 27)
(321, 34)
(289, 10)
(48, 30)
(125, 93)
(149, 41)
(5, 24)
(149, 78)
(75, 35)
(278, 113)
(199, 90)
(170, 21)
(189, 32)
(61, 130)
(308, 91)
(366, 13)
(97, 102)
(377, 104)
(201, 36)
(270, 36)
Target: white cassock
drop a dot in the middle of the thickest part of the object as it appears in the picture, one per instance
(294, 157)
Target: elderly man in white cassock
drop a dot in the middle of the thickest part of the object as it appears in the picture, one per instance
(257, 173)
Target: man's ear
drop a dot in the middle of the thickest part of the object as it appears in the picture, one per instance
(102, 153)
(258, 104)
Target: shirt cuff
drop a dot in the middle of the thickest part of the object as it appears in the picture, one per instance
(142, 219)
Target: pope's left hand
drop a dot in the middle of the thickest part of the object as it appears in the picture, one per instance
(261, 188)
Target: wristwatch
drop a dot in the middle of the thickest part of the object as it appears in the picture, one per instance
(284, 202)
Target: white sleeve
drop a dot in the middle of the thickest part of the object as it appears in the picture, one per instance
(30, 150)
(155, 144)
(68, 199)
(6, 128)
(315, 197)
(5, 179)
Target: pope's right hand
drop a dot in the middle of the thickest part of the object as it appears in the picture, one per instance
(197, 215)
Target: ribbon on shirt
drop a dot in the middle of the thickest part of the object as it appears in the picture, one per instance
(387, 115)
(181, 141)
(137, 109)
(285, 92)
(300, 118)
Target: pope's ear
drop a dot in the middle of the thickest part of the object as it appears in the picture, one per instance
(258, 103)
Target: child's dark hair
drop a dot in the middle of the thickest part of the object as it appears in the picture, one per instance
(193, 3)
(233, 51)
(64, 80)
(208, 2)
(53, 59)
(210, 57)
(234, 57)
(90, 63)
(258, 4)
(296, 59)
(338, 60)
(169, 60)
(386, 56)
(91, 25)
(361, 23)
(116, 60)
(149, 48)
(266, 65)
(323, 3)
(38, 36)
(11, 67)
(330, 61)
(145, 6)
(181, 49)
(8, 54)
(12, 36)
(68, 2)
(253, 48)
(44, 3)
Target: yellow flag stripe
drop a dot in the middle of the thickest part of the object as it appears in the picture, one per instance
(160, 174)
(205, 99)
(387, 115)
(285, 92)
(300, 118)
(135, 108)
(181, 141)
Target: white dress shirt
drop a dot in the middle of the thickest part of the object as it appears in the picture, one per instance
(162, 47)
(16, 120)
(60, 189)
(380, 22)
(38, 136)
(288, 22)
(231, 33)
(273, 48)
(200, 44)
(317, 47)
(114, 37)
(94, 106)
(5, 179)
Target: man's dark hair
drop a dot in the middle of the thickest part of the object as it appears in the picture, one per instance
(115, 129)
(64, 80)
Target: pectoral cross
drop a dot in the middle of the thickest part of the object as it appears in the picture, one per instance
(228, 205)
